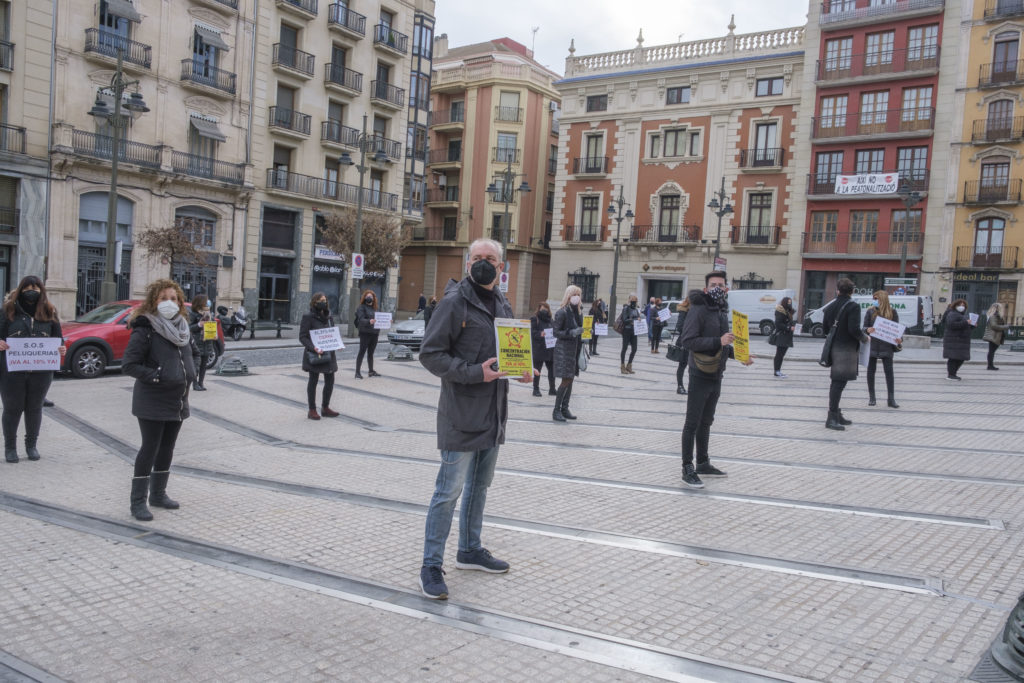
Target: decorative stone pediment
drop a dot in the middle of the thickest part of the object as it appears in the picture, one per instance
(996, 151)
(205, 106)
(1000, 95)
(101, 77)
(990, 212)
(209, 17)
(1004, 27)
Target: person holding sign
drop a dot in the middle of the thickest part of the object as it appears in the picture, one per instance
(366, 321)
(956, 338)
(600, 314)
(28, 314)
(315, 360)
(844, 315)
(543, 353)
(568, 331)
(459, 347)
(881, 349)
(197, 318)
(707, 337)
(625, 326)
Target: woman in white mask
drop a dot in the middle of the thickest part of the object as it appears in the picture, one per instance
(162, 356)
(568, 328)
(956, 338)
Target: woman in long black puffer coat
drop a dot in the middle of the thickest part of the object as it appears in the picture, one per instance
(540, 326)
(783, 334)
(318, 318)
(568, 329)
(956, 338)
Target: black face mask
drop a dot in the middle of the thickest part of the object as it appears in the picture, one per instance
(632, 304)
(320, 306)
(29, 297)
(368, 301)
(483, 272)
(718, 295)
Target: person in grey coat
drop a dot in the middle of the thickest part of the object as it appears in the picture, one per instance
(995, 331)
(956, 338)
(568, 329)
(843, 314)
(459, 347)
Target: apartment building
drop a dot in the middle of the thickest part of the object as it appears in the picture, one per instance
(664, 128)
(25, 36)
(875, 142)
(349, 79)
(493, 129)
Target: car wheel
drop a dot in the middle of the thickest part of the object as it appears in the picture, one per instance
(817, 331)
(88, 362)
(767, 328)
(211, 360)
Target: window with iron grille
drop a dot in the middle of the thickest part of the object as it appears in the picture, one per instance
(751, 281)
(587, 281)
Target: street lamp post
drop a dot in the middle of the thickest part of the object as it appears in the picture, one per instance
(508, 179)
(909, 198)
(135, 107)
(618, 217)
(720, 206)
(364, 142)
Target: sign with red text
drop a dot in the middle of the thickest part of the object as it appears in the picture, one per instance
(868, 183)
(33, 353)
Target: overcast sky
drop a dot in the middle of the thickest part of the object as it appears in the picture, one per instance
(606, 25)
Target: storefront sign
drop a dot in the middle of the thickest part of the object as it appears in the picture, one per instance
(868, 183)
(324, 254)
(975, 277)
(328, 269)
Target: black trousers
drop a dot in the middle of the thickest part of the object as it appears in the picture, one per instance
(204, 353)
(539, 366)
(953, 366)
(992, 347)
(701, 403)
(890, 381)
(628, 341)
(314, 378)
(780, 353)
(682, 367)
(157, 449)
(655, 340)
(23, 392)
(593, 343)
(367, 345)
(835, 394)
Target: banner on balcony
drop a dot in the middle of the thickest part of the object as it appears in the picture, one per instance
(868, 183)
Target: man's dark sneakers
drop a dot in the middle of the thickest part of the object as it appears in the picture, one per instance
(690, 477)
(482, 560)
(432, 582)
(706, 469)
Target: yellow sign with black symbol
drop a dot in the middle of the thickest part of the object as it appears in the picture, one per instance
(741, 334)
(515, 350)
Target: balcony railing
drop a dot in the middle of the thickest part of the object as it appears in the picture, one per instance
(6, 55)
(585, 233)
(319, 188)
(834, 11)
(108, 43)
(1001, 73)
(766, 235)
(665, 234)
(885, 122)
(992, 191)
(203, 167)
(552, 166)
(766, 157)
(12, 139)
(233, 4)
(498, 234)
(204, 74)
(347, 78)
(434, 233)
(444, 156)
(505, 154)
(293, 58)
(391, 148)
(102, 147)
(290, 119)
(1004, 258)
(862, 243)
(999, 9)
(995, 130)
(447, 194)
(584, 165)
(441, 118)
(382, 90)
(879, 63)
(304, 5)
(388, 37)
(513, 114)
(335, 131)
(916, 179)
(339, 15)
(500, 197)
(10, 220)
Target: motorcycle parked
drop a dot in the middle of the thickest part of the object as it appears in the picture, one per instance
(233, 324)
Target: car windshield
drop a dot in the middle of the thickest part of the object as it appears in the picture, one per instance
(104, 314)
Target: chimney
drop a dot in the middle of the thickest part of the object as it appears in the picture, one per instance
(441, 46)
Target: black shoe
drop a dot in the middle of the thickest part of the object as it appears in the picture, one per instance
(871, 401)
(11, 454)
(833, 423)
(991, 367)
(47, 403)
(892, 403)
(374, 373)
(690, 477)
(594, 353)
(140, 489)
(359, 375)
(706, 469)
(842, 420)
(552, 392)
(481, 560)
(680, 389)
(32, 453)
(432, 583)
(158, 491)
(198, 387)
(954, 378)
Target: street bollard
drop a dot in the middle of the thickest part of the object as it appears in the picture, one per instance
(252, 328)
(279, 328)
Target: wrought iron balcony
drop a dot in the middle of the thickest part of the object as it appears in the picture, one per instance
(508, 114)
(204, 167)
(391, 148)
(863, 243)
(998, 74)
(10, 220)
(293, 58)
(503, 155)
(880, 63)
(825, 184)
(498, 234)
(998, 129)
(102, 147)
(664, 234)
(585, 233)
(289, 119)
(444, 156)
(388, 37)
(1000, 9)
(865, 11)
(12, 139)
(107, 43)
(194, 71)
(992, 191)
(585, 165)
(1002, 258)
(435, 233)
(319, 188)
(337, 75)
(759, 235)
(300, 7)
(446, 194)
(339, 16)
(444, 118)
(336, 132)
(765, 157)
(6, 55)
(898, 122)
(382, 91)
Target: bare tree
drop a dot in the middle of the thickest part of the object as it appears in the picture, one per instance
(381, 241)
(176, 243)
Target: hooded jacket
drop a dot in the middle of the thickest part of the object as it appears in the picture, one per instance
(783, 328)
(702, 332)
(956, 339)
(471, 413)
(163, 373)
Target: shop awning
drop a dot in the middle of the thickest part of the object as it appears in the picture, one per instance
(211, 38)
(208, 129)
(123, 9)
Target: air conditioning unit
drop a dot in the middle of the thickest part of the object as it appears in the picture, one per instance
(442, 180)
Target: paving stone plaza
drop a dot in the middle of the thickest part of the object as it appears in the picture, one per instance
(891, 551)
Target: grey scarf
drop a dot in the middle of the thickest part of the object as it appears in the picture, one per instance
(174, 330)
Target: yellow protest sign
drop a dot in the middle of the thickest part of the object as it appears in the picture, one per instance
(209, 331)
(588, 327)
(515, 351)
(741, 332)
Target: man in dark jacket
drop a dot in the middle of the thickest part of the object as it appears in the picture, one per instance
(844, 314)
(459, 347)
(707, 337)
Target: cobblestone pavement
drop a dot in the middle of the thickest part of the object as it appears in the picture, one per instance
(891, 551)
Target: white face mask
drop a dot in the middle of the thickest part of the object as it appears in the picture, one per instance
(961, 308)
(168, 309)
(574, 300)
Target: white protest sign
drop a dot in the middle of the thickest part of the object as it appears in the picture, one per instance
(601, 329)
(798, 329)
(864, 354)
(549, 338)
(887, 330)
(664, 314)
(640, 326)
(33, 353)
(382, 321)
(974, 318)
(327, 339)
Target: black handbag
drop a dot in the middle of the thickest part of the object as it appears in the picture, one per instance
(315, 359)
(773, 338)
(675, 353)
(826, 349)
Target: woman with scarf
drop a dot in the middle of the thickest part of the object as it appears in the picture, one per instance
(318, 318)
(366, 318)
(568, 328)
(783, 334)
(995, 331)
(27, 313)
(162, 357)
(540, 329)
(881, 350)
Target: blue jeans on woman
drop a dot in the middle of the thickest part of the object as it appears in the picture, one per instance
(462, 472)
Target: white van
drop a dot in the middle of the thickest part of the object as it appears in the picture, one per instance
(759, 305)
(914, 311)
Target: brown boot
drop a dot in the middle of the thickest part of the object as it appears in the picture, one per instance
(327, 412)
(629, 369)
(313, 415)
(622, 369)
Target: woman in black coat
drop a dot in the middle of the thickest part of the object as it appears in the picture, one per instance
(881, 350)
(783, 334)
(318, 318)
(200, 314)
(366, 318)
(26, 313)
(540, 328)
(162, 357)
(844, 314)
(956, 338)
(630, 312)
(568, 328)
(682, 309)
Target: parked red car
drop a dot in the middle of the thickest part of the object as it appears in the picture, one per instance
(97, 339)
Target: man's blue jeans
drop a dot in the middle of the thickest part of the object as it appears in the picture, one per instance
(462, 472)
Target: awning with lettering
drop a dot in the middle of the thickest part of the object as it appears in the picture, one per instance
(211, 38)
(123, 9)
(207, 129)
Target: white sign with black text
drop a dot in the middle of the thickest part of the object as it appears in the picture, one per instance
(327, 339)
(381, 321)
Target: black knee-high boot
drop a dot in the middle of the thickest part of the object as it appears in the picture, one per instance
(140, 489)
(565, 404)
(556, 414)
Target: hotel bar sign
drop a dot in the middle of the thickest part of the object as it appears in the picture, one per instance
(868, 183)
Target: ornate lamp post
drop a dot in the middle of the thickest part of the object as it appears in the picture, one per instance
(720, 206)
(508, 179)
(618, 217)
(909, 198)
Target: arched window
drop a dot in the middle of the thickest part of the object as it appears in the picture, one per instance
(1004, 57)
(200, 224)
(988, 242)
(999, 122)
